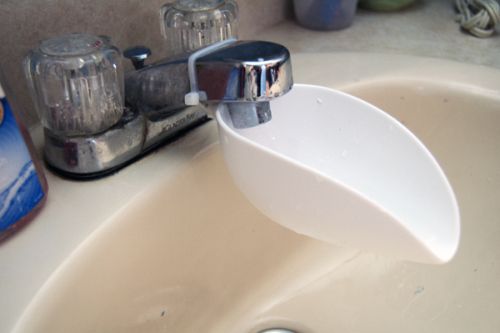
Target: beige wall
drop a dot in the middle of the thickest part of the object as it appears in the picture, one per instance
(23, 23)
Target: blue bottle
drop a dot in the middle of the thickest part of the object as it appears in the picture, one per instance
(23, 187)
(325, 14)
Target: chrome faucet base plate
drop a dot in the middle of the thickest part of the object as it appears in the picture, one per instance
(92, 157)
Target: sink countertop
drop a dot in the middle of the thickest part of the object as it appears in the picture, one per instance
(75, 210)
(426, 29)
(30, 257)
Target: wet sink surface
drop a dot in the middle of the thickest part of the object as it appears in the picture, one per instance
(190, 256)
(193, 255)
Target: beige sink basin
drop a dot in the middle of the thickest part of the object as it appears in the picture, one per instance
(190, 254)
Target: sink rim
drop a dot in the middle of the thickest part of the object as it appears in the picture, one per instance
(38, 248)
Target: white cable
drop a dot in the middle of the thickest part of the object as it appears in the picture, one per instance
(195, 96)
(478, 17)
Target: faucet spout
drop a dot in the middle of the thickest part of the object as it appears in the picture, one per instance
(243, 72)
(246, 71)
(249, 114)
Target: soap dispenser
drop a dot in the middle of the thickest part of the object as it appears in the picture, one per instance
(23, 187)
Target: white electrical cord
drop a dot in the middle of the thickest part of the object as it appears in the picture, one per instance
(195, 96)
(478, 17)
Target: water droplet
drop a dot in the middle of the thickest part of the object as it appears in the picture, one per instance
(345, 153)
(419, 290)
(319, 100)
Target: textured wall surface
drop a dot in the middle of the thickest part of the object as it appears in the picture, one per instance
(23, 23)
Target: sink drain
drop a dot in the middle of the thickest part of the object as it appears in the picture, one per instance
(277, 330)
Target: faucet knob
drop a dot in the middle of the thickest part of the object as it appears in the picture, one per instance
(138, 55)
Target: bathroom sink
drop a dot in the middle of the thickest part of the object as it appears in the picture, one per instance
(191, 254)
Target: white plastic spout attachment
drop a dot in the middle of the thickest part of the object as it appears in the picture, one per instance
(335, 168)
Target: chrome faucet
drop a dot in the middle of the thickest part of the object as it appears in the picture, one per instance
(244, 74)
